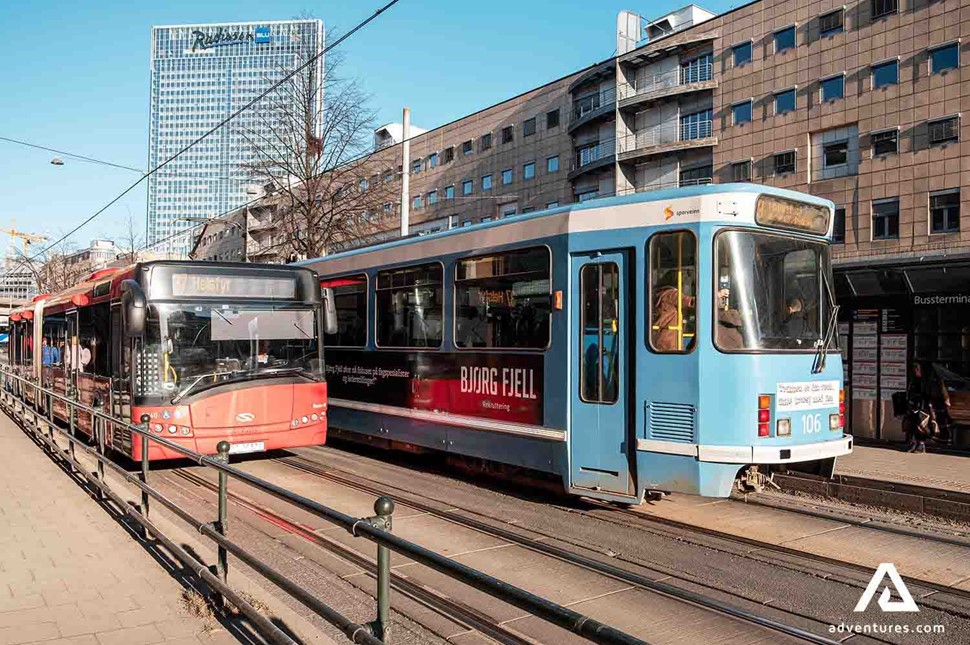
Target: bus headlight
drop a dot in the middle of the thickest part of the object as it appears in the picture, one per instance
(783, 427)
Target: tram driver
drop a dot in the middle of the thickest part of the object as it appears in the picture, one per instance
(729, 322)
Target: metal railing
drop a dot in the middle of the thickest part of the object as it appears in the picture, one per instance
(36, 416)
(586, 105)
(665, 185)
(664, 134)
(666, 80)
(592, 154)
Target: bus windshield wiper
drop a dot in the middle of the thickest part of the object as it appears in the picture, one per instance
(823, 344)
(226, 377)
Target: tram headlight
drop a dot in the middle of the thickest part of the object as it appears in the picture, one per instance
(835, 421)
(783, 427)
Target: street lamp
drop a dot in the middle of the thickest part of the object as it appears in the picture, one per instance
(57, 161)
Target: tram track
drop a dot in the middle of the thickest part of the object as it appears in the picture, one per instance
(748, 548)
(485, 525)
(429, 598)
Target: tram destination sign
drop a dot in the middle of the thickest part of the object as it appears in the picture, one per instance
(792, 215)
(203, 285)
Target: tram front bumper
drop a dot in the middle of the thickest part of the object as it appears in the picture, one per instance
(771, 454)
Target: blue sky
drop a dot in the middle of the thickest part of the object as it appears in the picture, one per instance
(75, 77)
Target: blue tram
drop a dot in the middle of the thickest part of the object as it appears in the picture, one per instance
(667, 341)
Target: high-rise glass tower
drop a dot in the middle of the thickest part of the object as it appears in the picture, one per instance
(200, 74)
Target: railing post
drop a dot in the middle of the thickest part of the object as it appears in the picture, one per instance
(222, 564)
(144, 470)
(71, 428)
(98, 425)
(381, 628)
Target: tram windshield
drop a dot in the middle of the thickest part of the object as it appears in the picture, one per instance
(771, 292)
(188, 347)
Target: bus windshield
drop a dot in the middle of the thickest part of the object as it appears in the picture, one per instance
(188, 346)
(771, 292)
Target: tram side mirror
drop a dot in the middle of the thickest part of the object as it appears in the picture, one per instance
(329, 311)
(134, 308)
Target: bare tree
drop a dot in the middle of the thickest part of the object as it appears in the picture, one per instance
(53, 270)
(131, 240)
(311, 143)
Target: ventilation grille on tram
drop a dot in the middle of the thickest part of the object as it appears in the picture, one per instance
(671, 422)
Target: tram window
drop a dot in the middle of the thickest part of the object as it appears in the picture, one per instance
(503, 300)
(93, 326)
(350, 301)
(54, 340)
(410, 306)
(600, 337)
(673, 292)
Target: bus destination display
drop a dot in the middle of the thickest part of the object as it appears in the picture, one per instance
(200, 285)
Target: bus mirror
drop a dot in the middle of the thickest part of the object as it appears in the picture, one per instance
(133, 307)
(329, 311)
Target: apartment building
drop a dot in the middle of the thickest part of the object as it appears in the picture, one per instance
(858, 102)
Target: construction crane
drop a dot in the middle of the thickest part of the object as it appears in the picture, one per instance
(26, 238)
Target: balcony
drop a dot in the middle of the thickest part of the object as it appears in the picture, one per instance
(667, 185)
(590, 158)
(592, 107)
(666, 137)
(679, 81)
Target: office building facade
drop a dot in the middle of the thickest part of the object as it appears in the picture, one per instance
(201, 74)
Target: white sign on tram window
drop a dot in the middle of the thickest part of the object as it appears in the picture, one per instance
(806, 395)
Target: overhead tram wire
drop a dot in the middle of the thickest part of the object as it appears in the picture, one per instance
(221, 124)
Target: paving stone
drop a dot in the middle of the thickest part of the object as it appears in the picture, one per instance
(28, 633)
(141, 635)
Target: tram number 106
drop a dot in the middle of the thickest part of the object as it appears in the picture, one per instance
(812, 423)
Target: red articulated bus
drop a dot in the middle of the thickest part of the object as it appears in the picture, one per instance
(209, 351)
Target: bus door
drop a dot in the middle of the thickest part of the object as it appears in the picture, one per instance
(598, 435)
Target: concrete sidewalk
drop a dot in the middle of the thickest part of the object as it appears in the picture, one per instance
(69, 573)
(934, 470)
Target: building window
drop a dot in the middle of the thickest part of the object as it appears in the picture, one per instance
(450, 192)
(518, 319)
(529, 127)
(944, 130)
(785, 162)
(410, 306)
(506, 176)
(696, 125)
(416, 202)
(529, 170)
(885, 219)
(487, 182)
(885, 143)
(741, 170)
(696, 176)
(673, 292)
(833, 88)
(361, 185)
(698, 69)
(466, 187)
(415, 166)
(388, 208)
(433, 160)
(785, 101)
(486, 141)
(587, 194)
(885, 74)
(741, 112)
(945, 211)
(508, 133)
(466, 147)
(742, 53)
(784, 39)
(831, 23)
(552, 164)
(882, 8)
(449, 155)
(432, 197)
(838, 226)
(835, 154)
(552, 119)
(944, 57)
(552, 204)
(528, 209)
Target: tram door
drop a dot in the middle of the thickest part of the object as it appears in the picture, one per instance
(599, 441)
